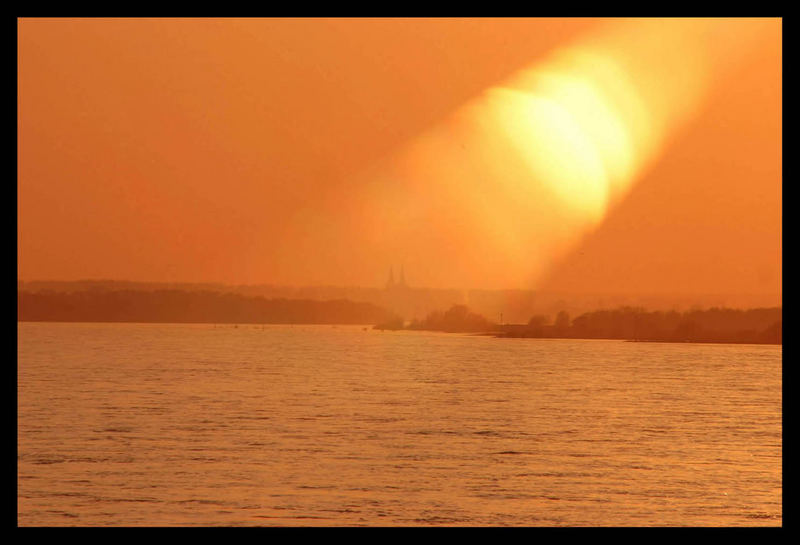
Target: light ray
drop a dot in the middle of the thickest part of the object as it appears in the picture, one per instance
(537, 161)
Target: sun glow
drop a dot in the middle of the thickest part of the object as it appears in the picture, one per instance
(555, 147)
(536, 162)
(583, 125)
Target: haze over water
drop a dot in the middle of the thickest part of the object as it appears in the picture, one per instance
(175, 424)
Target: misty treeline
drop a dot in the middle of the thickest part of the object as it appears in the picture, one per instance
(723, 325)
(761, 325)
(177, 306)
(457, 319)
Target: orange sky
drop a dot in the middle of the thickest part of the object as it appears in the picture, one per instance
(249, 151)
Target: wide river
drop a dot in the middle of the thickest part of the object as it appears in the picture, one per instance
(183, 424)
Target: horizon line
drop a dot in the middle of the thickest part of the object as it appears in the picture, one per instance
(412, 287)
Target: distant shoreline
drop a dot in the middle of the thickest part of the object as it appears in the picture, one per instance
(664, 341)
(174, 306)
(367, 326)
(633, 324)
(715, 325)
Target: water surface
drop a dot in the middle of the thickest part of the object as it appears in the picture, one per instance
(183, 424)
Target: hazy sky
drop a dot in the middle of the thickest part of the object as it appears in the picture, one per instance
(325, 151)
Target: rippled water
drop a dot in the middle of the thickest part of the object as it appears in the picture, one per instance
(144, 424)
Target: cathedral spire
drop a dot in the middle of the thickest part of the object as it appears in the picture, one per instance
(390, 283)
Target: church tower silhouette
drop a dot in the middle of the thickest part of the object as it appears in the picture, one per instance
(401, 282)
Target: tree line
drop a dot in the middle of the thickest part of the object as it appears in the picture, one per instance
(723, 325)
(178, 306)
(457, 319)
(720, 325)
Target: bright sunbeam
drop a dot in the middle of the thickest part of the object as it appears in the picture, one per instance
(537, 161)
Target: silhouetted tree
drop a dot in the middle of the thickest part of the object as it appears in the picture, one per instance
(562, 322)
(538, 321)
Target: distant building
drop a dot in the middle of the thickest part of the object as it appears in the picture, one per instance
(391, 285)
